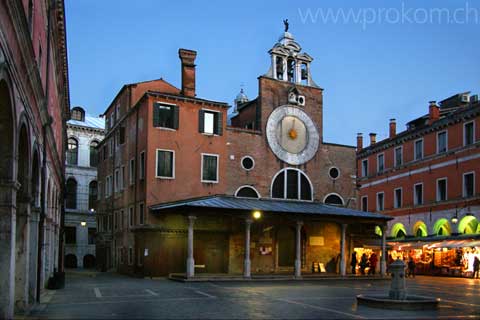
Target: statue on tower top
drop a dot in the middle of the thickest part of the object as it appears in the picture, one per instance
(285, 22)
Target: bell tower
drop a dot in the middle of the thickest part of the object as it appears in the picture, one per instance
(289, 64)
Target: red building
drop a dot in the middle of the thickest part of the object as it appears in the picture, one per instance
(252, 193)
(34, 104)
(426, 177)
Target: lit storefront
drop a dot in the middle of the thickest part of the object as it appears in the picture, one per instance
(448, 256)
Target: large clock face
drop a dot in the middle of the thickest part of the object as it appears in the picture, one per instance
(292, 135)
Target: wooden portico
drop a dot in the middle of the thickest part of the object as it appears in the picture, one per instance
(243, 236)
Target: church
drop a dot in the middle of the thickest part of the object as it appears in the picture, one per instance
(186, 189)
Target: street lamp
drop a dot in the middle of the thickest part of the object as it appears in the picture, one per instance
(257, 215)
(83, 223)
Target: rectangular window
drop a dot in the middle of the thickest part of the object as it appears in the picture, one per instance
(469, 184)
(142, 166)
(122, 178)
(100, 190)
(121, 135)
(111, 146)
(397, 201)
(141, 214)
(130, 255)
(122, 220)
(105, 151)
(91, 235)
(380, 163)
(418, 149)
(131, 171)
(209, 168)
(365, 168)
(210, 122)
(165, 164)
(165, 115)
(117, 180)
(398, 156)
(120, 255)
(131, 217)
(418, 194)
(110, 222)
(112, 119)
(468, 133)
(380, 201)
(442, 142)
(115, 221)
(442, 189)
(364, 203)
(117, 112)
(70, 235)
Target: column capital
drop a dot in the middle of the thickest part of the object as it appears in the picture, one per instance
(192, 218)
(248, 221)
(299, 223)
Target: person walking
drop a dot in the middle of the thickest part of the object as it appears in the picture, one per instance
(363, 263)
(373, 263)
(476, 267)
(353, 262)
(411, 268)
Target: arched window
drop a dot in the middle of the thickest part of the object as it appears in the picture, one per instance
(442, 227)
(333, 199)
(469, 225)
(78, 114)
(398, 230)
(291, 184)
(71, 194)
(247, 192)
(92, 195)
(279, 66)
(72, 152)
(304, 73)
(420, 229)
(93, 153)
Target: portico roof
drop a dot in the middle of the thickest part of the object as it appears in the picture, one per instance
(268, 205)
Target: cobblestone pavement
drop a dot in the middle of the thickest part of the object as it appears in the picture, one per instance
(112, 296)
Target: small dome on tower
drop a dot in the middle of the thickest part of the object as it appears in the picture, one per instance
(241, 97)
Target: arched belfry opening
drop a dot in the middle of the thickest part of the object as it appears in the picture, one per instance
(289, 63)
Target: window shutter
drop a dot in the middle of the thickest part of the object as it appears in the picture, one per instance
(201, 121)
(219, 123)
(156, 115)
(175, 117)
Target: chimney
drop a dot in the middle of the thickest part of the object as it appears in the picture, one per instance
(393, 128)
(433, 112)
(359, 141)
(188, 71)
(373, 138)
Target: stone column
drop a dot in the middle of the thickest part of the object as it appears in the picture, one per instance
(7, 248)
(298, 250)
(343, 271)
(383, 259)
(190, 260)
(274, 66)
(247, 262)
(34, 220)
(22, 256)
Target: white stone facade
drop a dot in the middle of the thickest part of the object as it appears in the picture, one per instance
(80, 249)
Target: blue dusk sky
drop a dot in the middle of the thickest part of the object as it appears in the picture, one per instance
(376, 60)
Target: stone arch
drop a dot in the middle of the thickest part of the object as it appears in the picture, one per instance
(442, 227)
(378, 231)
(71, 261)
(247, 191)
(35, 176)
(420, 229)
(469, 225)
(89, 261)
(22, 243)
(334, 199)
(7, 132)
(398, 230)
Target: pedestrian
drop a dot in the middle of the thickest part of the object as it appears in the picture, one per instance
(411, 268)
(373, 263)
(476, 267)
(363, 263)
(353, 262)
